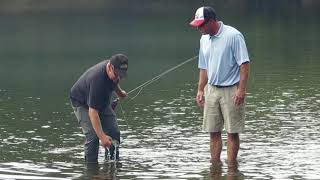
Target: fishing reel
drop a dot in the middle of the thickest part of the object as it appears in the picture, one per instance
(114, 103)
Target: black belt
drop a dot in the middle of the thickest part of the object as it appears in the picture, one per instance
(218, 86)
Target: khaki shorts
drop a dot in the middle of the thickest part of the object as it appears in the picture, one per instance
(220, 110)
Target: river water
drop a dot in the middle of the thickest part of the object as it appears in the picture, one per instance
(43, 53)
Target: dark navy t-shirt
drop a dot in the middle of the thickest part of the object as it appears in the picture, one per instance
(93, 89)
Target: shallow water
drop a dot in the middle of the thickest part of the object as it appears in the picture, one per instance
(161, 127)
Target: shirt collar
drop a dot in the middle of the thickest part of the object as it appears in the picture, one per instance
(219, 31)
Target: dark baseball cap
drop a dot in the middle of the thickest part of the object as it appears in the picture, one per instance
(203, 14)
(120, 64)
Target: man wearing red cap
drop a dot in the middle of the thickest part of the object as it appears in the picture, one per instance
(224, 70)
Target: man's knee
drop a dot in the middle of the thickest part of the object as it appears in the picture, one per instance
(214, 135)
(233, 136)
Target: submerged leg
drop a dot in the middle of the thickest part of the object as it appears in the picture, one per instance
(91, 146)
(233, 147)
(110, 127)
(215, 146)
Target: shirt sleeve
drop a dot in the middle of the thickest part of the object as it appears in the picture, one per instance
(202, 63)
(239, 49)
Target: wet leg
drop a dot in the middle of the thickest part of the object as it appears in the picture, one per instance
(215, 146)
(110, 127)
(233, 147)
(91, 148)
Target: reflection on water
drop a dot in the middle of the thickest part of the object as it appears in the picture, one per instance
(285, 128)
(166, 141)
(161, 128)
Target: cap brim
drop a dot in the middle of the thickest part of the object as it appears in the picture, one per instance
(197, 22)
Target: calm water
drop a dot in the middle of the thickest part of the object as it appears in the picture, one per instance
(43, 53)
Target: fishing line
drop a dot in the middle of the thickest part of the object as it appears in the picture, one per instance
(143, 85)
(146, 83)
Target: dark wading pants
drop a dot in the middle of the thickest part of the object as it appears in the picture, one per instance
(109, 126)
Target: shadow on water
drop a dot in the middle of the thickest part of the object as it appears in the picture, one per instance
(112, 170)
(232, 172)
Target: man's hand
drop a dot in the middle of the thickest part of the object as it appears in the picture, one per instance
(200, 98)
(120, 92)
(241, 89)
(106, 141)
(123, 94)
(239, 96)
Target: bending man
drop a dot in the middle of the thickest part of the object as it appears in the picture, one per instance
(91, 96)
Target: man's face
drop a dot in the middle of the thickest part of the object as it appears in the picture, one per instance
(204, 28)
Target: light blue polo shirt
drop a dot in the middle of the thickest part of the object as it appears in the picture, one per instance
(222, 54)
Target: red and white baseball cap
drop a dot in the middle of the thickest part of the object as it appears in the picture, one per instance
(202, 15)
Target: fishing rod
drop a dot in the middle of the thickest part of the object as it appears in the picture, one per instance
(146, 83)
